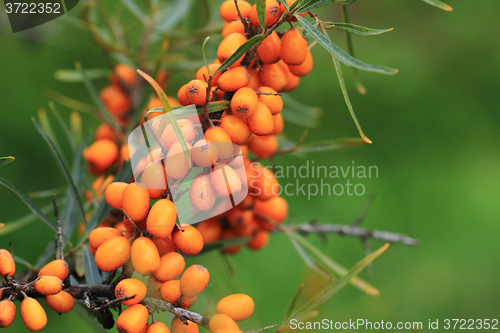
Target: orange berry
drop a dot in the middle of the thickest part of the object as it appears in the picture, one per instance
(233, 249)
(130, 287)
(254, 79)
(170, 291)
(171, 266)
(204, 153)
(304, 68)
(237, 306)
(228, 10)
(105, 132)
(210, 230)
(238, 130)
(101, 155)
(62, 302)
(164, 245)
(124, 74)
(222, 321)
(228, 46)
(263, 146)
(176, 163)
(194, 280)
(177, 326)
(48, 285)
(283, 10)
(275, 208)
(201, 193)
(278, 124)
(155, 180)
(136, 201)
(234, 79)
(161, 218)
(247, 203)
(269, 50)
(244, 102)
(145, 256)
(259, 240)
(33, 315)
(293, 47)
(273, 102)
(169, 137)
(202, 73)
(8, 311)
(181, 96)
(232, 27)
(273, 76)
(187, 302)
(262, 183)
(113, 254)
(133, 320)
(187, 239)
(57, 268)
(7, 264)
(243, 223)
(115, 100)
(225, 181)
(114, 194)
(158, 327)
(99, 235)
(261, 121)
(196, 92)
(218, 137)
(272, 13)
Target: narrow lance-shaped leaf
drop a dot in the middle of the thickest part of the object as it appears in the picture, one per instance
(330, 145)
(293, 302)
(64, 170)
(6, 160)
(239, 52)
(14, 225)
(354, 29)
(47, 127)
(339, 53)
(92, 275)
(261, 13)
(74, 76)
(212, 107)
(76, 126)
(136, 10)
(312, 4)
(23, 262)
(439, 4)
(65, 128)
(47, 193)
(205, 56)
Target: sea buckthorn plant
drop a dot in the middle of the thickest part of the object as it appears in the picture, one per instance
(121, 253)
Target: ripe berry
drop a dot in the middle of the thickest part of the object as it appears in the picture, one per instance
(269, 50)
(204, 154)
(155, 180)
(176, 163)
(187, 302)
(273, 76)
(304, 68)
(187, 239)
(161, 218)
(261, 121)
(225, 181)
(238, 130)
(233, 249)
(232, 27)
(275, 208)
(124, 74)
(170, 291)
(33, 315)
(115, 100)
(133, 319)
(194, 280)
(181, 96)
(202, 73)
(262, 183)
(57, 268)
(273, 102)
(244, 102)
(136, 201)
(48, 285)
(263, 146)
(158, 327)
(8, 311)
(259, 241)
(278, 124)
(243, 223)
(218, 137)
(145, 256)
(62, 302)
(114, 194)
(228, 46)
(100, 235)
(169, 137)
(228, 10)
(171, 266)
(234, 79)
(237, 306)
(101, 155)
(105, 132)
(222, 321)
(7, 264)
(113, 254)
(177, 326)
(164, 245)
(201, 193)
(210, 230)
(130, 287)
(293, 48)
(196, 92)
(254, 79)
(272, 13)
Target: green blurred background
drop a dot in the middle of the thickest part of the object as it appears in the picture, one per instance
(435, 129)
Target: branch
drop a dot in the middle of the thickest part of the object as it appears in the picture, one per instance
(285, 151)
(180, 312)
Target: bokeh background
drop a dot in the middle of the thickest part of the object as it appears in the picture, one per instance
(435, 129)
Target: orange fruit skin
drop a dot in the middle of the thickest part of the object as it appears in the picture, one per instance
(201, 193)
(238, 130)
(155, 180)
(145, 256)
(33, 314)
(304, 68)
(279, 124)
(210, 230)
(113, 254)
(244, 102)
(100, 235)
(293, 48)
(233, 249)
(101, 155)
(202, 73)
(57, 268)
(261, 121)
(234, 79)
(283, 10)
(161, 218)
(187, 302)
(273, 76)
(228, 10)
(218, 137)
(62, 302)
(275, 208)
(225, 181)
(196, 92)
(8, 311)
(273, 102)
(232, 27)
(222, 321)
(171, 266)
(170, 291)
(130, 287)
(262, 182)
(115, 100)
(254, 79)
(158, 327)
(168, 137)
(269, 50)
(114, 194)
(243, 223)
(105, 132)
(176, 163)
(228, 46)
(164, 245)
(204, 154)
(181, 96)
(194, 280)
(271, 15)
(7, 264)
(125, 74)
(259, 240)
(263, 146)
(237, 306)
(177, 326)
(48, 285)
(133, 319)
(136, 201)
(187, 239)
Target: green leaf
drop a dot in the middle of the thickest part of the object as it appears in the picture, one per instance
(173, 14)
(239, 52)
(70, 103)
(354, 29)
(261, 13)
(333, 288)
(76, 126)
(293, 302)
(212, 107)
(14, 225)
(439, 4)
(30, 204)
(65, 128)
(299, 113)
(47, 127)
(95, 97)
(92, 275)
(330, 145)
(308, 260)
(64, 169)
(47, 193)
(341, 55)
(74, 76)
(6, 160)
(136, 10)
(205, 56)
(23, 262)
(84, 314)
(312, 4)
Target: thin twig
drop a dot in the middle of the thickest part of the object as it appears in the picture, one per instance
(262, 329)
(59, 230)
(245, 23)
(180, 312)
